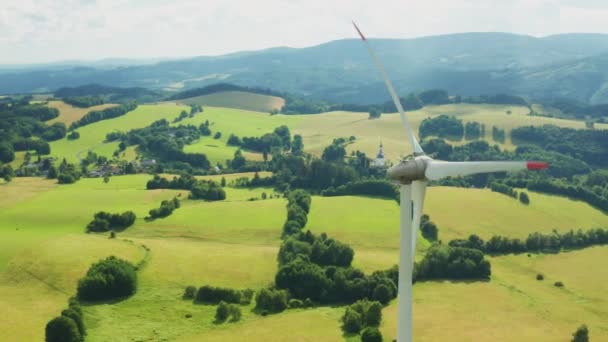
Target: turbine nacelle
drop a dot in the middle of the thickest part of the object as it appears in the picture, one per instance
(409, 169)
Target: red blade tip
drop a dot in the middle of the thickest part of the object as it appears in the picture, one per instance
(358, 31)
(537, 166)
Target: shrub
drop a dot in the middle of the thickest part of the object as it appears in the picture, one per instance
(73, 135)
(371, 334)
(103, 221)
(235, 312)
(271, 300)
(581, 334)
(382, 294)
(109, 278)
(209, 191)
(217, 135)
(558, 284)
(189, 292)
(351, 321)
(246, 296)
(540, 277)
(523, 198)
(66, 178)
(225, 310)
(222, 312)
(62, 329)
(373, 316)
(213, 295)
(295, 304)
(76, 316)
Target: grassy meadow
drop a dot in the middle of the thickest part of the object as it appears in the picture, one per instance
(234, 243)
(44, 250)
(317, 130)
(92, 136)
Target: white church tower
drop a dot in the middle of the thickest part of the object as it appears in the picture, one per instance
(379, 161)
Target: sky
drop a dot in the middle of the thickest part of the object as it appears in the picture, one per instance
(39, 31)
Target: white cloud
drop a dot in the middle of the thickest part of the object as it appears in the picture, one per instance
(46, 30)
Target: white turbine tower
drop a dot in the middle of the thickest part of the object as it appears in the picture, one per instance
(413, 174)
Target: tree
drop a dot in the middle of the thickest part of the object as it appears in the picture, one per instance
(334, 153)
(581, 334)
(297, 146)
(62, 329)
(238, 161)
(371, 334)
(189, 292)
(110, 278)
(222, 312)
(270, 300)
(77, 318)
(351, 321)
(223, 182)
(373, 316)
(374, 114)
(52, 172)
(235, 312)
(7, 154)
(523, 198)
(73, 135)
(382, 294)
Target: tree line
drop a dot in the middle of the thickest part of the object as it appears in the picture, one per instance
(199, 189)
(105, 114)
(83, 101)
(166, 208)
(69, 326)
(535, 242)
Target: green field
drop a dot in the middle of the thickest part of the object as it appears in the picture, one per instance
(92, 136)
(43, 251)
(43, 248)
(239, 100)
(318, 130)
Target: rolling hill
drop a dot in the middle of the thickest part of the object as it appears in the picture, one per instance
(569, 65)
(235, 242)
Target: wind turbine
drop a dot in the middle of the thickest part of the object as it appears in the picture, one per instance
(413, 174)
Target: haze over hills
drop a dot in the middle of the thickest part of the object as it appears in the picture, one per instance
(573, 66)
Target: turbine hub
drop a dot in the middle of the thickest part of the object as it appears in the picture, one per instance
(409, 169)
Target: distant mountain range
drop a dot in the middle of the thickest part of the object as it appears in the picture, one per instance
(569, 66)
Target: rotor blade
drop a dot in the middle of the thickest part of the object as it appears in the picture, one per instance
(418, 192)
(437, 169)
(408, 129)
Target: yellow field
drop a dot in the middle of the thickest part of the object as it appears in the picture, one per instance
(39, 280)
(514, 306)
(319, 130)
(238, 99)
(69, 113)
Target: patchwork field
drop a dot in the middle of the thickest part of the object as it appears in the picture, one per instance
(69, 113)
(318, 130)
(239, 100)
(43, 251)
(92, 136)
